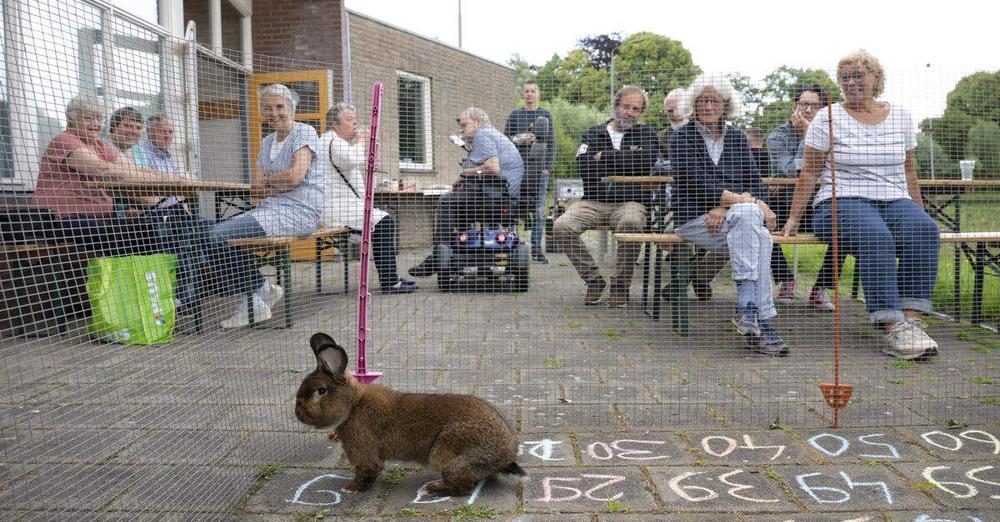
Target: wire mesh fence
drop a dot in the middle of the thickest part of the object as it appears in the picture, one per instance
(610, 251)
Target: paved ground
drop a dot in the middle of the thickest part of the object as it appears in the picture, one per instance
(619, 417)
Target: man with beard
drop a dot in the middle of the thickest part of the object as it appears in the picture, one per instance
(618, 147)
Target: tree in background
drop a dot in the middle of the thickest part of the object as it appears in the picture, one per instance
(655, 63)
(601, 48)
(769, 104)
(975, 100)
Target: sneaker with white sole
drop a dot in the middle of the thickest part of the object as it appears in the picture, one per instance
(908, 340)
(746, 321)
(786, 291)
(820, 300)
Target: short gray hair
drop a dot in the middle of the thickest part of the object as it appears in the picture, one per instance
(84, 103)
(476, 114)
(159, 118)
(279, 90)
(333, 115)
(721, 86)
(676, 94)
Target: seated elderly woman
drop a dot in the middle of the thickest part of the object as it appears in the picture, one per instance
(345, 200)
(717, 205)
(879, 205)
(293, 190)
(71, 170)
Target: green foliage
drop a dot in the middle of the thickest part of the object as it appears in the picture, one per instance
(658, 65)
(977, 95)
(769, 105)
(571, 121)
(951, 130)
(944, 166)
(522, 71)
(475, 513)
(579, 82)
(983, 145)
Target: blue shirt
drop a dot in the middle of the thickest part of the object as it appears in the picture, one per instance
(784, 146)
(150, 156)
(488, 143)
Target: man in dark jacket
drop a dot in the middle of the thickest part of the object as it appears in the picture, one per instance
(619, 147)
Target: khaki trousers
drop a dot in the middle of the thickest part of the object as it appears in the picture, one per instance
(618, 217)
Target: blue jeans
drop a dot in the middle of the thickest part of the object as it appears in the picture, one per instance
(876, 233)
(239, 227)
(747, 241)
(242, 226)
(538, 228)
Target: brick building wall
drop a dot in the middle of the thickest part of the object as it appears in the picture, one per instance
(458, 80)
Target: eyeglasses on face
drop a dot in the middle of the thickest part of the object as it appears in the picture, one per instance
(854, 75)
(807, 105)
(705, 100)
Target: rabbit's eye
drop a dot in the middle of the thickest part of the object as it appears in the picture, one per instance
(321, 391)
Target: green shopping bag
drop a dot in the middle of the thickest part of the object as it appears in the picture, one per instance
(132, 298)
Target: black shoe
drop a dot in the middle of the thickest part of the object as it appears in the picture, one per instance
(702, 290)
(404, 287)
(539, 258)
(426, 268)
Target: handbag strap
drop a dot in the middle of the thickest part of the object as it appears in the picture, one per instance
(329, 152)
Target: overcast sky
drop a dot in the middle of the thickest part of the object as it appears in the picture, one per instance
(955, 38)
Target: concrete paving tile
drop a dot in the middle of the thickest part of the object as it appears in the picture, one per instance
(855, 445)
(972, 442)
(587, 490)
(938, 515)
(746, 447)
(163, 446)
(309, 449)
(633, 448)
(99, 516)
(194, 488)
(176, 416)
(851, 488)
(499, 495)
(801, 516)
(300, 490)
(950, 484)
(539, 418)
(719, 489)
(662, 416)
(543, 450)
(71, 486)
(71, 445)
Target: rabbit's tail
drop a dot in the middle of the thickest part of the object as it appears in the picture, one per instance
(513, 469)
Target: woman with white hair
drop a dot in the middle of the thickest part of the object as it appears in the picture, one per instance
(880, 213)
(293, 189)
(717, 205)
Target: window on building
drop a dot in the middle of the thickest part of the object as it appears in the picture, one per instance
(414, 121)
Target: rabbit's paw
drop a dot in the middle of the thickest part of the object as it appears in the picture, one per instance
(333, 435)
(356, 486)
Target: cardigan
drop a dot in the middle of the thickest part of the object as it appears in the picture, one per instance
(699, 182)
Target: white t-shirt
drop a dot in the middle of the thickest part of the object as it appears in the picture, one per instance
(616, 137)
(870, 158)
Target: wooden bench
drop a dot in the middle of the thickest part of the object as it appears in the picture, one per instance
(276, 251)
(980, 258)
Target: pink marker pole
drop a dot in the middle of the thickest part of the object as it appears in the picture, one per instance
(362, 373)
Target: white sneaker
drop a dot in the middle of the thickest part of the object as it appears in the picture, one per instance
(261, 312)
(908, 340)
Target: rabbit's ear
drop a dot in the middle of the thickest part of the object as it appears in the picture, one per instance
(330, 357)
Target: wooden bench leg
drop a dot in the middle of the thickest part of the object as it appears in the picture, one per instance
(647, 259)
(657, 281)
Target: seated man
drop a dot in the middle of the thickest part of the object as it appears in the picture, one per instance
(618, 147)
(493, 166)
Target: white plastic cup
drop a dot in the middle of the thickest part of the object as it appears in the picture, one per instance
(967, 167)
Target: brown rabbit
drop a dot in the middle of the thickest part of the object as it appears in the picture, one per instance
(463, 437)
